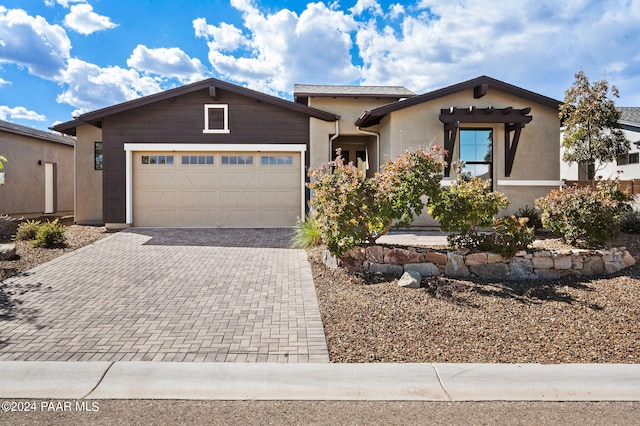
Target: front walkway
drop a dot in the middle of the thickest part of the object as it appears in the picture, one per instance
(214, 295)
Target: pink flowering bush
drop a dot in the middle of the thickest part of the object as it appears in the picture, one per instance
(351, 210)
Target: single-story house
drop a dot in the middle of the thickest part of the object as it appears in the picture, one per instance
(39, 173)
(215, 154)
(627, 167)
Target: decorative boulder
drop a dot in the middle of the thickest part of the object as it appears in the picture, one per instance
(410, 279)
(7, 251)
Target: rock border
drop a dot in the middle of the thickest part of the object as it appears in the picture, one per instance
(525, 265)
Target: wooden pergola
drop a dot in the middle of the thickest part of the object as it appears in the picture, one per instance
(513, 119)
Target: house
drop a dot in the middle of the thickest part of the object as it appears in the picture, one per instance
(38, 175)
(627, 167)
(500, 131)
(215, 154)
(205, 154)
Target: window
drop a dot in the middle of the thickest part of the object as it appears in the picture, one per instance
(157, 159)
(216, 118)
(631, 158)
(97, 156)
(237, 159)
(476, 150)
(197, 159)
(280, 160)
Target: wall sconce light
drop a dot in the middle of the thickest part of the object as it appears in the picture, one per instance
(39, 162)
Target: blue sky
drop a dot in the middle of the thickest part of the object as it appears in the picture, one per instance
(60, 58)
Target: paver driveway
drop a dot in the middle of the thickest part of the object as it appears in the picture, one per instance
(223, 295)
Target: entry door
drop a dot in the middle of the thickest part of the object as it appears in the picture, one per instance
(50, 188)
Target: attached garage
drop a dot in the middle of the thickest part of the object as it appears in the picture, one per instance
(199, 188)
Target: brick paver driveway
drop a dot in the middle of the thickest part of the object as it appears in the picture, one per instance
(223, 295)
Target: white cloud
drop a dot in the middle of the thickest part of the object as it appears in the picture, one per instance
(19, 113)
(91, 87)
(63, 3)
(281, 48)
(167, 62)
(33, 43)
(372, 6)
(3, 82)
(84, 20)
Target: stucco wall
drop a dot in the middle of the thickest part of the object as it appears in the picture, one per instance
(23, 192)
(89, 181)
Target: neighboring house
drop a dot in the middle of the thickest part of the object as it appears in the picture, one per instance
(216, 154)
(502, 132)
(39, 173)
(627, 167)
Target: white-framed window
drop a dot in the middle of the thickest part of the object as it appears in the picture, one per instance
(197, 159)
(237, 159)
(216, 118)
(276, 160)
(157, 159)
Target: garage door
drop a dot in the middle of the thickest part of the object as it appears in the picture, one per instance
(228, 189)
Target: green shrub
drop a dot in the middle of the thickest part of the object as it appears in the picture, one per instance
(352, 210)
(307, 233)
(532, 214)
(586, 214)
(467, 205)
(50, 235)
(630, 222)
(27, 230)
(511, 234)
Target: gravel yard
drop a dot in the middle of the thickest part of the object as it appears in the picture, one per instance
(367, 318)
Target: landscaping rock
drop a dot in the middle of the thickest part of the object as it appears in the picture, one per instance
(402, 256)
(547, 274)
(593, 266)
(7, 251)
(521, 269)
(435, 258)
(542, 262)
(456, 266)
(474, 259)
(491, 271)
(424, 269)
(356, 253)
(375, 254)
(410, 279)
(383, 268)
(329, 259)
(562, 262)
(494, 257)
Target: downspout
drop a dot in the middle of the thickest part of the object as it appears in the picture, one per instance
(377, 135)
(333, 138)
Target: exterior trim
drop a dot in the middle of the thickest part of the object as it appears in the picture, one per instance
(515, 182)
(225, 112)
(130, 148)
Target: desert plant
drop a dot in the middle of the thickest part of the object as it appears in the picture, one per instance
(352, 210)
(27, 230)
(307, 233)
(8, 225)
(50, 235)
(586, 214)
(532, 214)
(630, 222)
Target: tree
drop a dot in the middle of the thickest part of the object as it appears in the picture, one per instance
(591, 129)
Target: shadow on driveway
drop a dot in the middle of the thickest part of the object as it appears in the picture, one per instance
(218, 237)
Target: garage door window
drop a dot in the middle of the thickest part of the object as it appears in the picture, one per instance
(157, 159)
(276, 160)
(197, 159)
(237, 159)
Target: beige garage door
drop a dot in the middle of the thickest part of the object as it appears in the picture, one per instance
(229, 189)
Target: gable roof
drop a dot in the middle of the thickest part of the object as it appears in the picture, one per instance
(479, 84)
(95, 117)
(630, 116)
(18, 129)
(320, 90)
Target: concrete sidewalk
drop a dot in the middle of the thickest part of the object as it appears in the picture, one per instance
(349, 382)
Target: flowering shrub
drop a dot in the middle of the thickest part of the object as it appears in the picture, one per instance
(351, 210)
(511, 234)
(584, 213)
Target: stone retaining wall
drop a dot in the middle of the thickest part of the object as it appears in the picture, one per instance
(540, 264)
